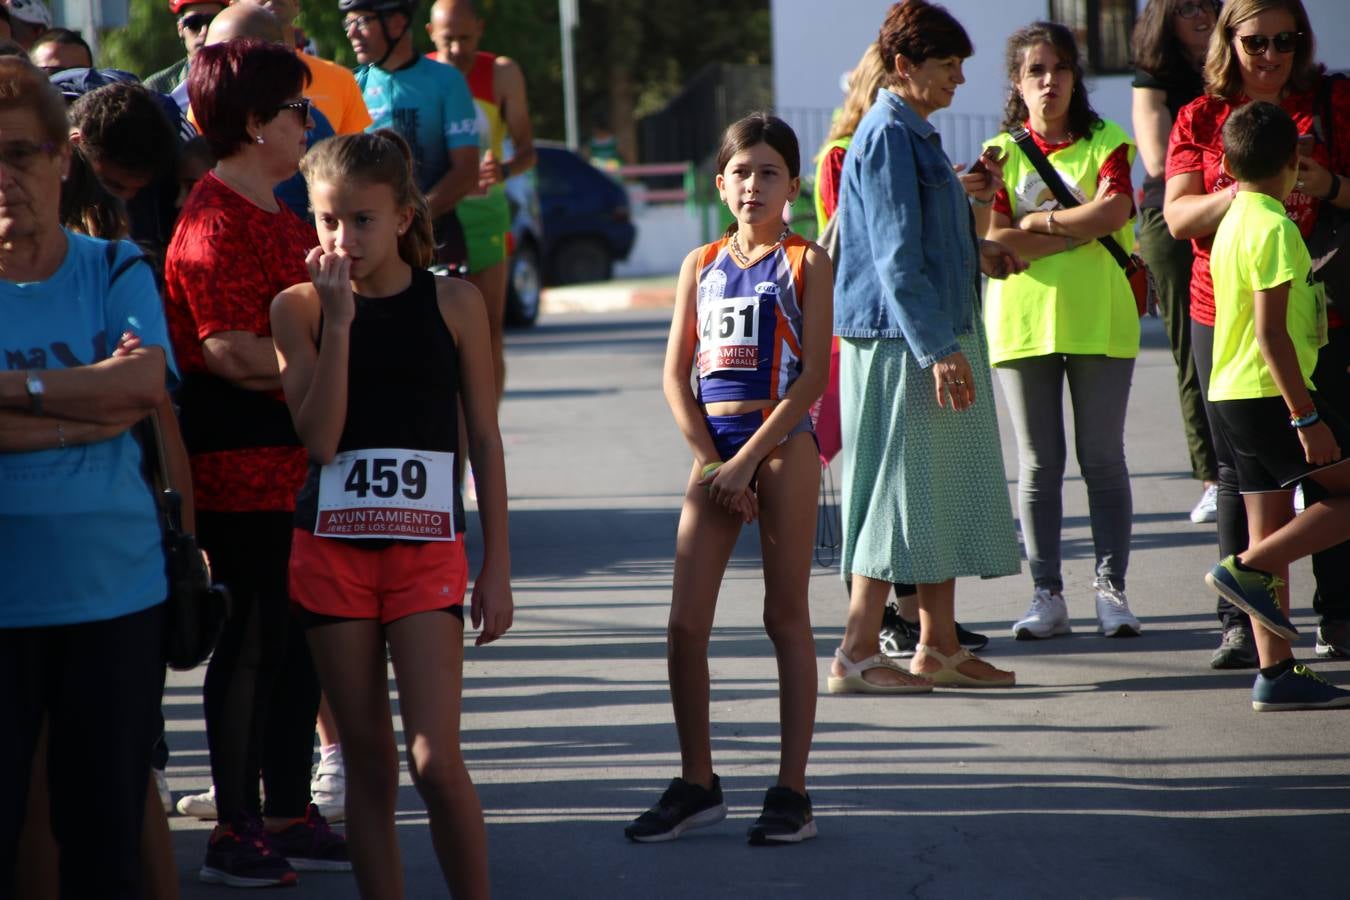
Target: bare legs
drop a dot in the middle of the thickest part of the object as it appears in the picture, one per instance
(1277, 538)
(428, 661)
(787, 501)
(491, 283)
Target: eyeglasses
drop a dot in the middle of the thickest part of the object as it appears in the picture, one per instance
(360, 23)
(21, 155)
(301, 106)
(1192, 8)
(1256, 44)
(196, 21)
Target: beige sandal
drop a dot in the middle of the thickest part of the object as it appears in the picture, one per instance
(950, 676)
(853, 682)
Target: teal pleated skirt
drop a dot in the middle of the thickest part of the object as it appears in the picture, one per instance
(925, 497)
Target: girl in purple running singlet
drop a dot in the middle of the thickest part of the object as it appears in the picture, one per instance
(752, 317)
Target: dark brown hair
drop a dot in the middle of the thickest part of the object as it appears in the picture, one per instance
(1259, 139)
(1083, 119)
(123, 124)
(918, 30)
(380, 157)
(229, 82)
(1154, 43)
(86, 205)
(25, 86)
(761, 128)
(1223, 76)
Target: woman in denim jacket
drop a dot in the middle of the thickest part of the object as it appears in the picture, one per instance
(925, 498)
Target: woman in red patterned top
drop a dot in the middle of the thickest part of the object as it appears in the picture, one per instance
(1262, 50)
(234, 249)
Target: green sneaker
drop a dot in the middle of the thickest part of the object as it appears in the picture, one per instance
(1254, 593)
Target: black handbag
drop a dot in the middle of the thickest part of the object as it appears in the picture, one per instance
(195, 609)
(1140, 278)
(1329, 242)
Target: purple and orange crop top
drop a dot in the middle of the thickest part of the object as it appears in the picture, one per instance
(749, 322)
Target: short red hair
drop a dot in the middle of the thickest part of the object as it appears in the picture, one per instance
(229, 82)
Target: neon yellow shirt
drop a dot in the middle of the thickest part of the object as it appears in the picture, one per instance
(1076, 301)
(1256, 248)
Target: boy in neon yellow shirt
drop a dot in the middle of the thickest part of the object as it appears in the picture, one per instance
(1270, 319)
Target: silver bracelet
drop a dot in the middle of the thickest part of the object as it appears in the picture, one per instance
(61, 435)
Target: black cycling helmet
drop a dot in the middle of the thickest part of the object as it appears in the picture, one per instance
(377, 6)
(382, 8)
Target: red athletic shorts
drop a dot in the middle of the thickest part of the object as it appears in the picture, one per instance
(331, 577)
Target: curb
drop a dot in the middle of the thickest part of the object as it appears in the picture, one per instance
(604, 297)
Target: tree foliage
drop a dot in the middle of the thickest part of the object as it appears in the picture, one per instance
(632, 56)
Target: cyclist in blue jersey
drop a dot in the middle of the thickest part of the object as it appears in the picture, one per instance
(428, 103)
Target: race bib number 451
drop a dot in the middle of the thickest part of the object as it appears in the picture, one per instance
(388, 494)
(728, 335)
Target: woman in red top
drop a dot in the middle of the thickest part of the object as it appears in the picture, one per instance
(234, 249)
(1262, 50)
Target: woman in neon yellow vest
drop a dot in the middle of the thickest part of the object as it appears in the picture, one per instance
(1070, 317)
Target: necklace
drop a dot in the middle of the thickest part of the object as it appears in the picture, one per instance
(740, 255)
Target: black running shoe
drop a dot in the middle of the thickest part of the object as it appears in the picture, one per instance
(899, 636)
(786, 818)
(681, 807)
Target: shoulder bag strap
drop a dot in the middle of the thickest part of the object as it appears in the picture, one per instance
(1062, 193)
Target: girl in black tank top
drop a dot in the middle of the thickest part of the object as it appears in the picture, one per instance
(377, 356)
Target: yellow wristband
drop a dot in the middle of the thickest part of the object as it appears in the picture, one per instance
(710, 468)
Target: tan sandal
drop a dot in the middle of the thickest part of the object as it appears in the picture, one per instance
(852, 681)
(950, 676)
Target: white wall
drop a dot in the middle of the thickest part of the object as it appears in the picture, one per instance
(815, 42)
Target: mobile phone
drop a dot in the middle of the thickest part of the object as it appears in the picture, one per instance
(993, 154)
(1305, 144)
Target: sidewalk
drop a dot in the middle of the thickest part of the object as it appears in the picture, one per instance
(610, 296)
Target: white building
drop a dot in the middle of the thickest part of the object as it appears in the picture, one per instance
(816, 42)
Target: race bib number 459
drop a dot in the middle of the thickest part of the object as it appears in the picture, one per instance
(728, 335)
(388, 494)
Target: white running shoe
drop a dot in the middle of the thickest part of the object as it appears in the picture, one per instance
(328, 788)
(162, 785)
(199, 806)
(1114, 618)
(1207, 510)
(1048, 616)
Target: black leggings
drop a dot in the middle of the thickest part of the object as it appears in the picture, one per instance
(99, 684)
(261, 693)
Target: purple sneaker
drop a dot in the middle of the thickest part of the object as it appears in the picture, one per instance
(309, 845)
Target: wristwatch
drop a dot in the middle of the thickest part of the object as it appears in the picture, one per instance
(33, 383)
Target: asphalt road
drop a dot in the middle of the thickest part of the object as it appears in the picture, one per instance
(1117, 768)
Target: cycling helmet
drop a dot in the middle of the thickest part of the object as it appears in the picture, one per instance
(31, 12)
(377, 6)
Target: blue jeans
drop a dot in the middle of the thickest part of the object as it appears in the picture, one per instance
(1099, 389)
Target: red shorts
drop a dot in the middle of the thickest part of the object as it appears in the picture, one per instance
(331, 577)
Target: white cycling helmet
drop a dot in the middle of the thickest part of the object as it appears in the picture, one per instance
(31, 12)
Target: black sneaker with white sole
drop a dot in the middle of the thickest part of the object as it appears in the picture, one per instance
(683, 806)
(1333, 640)
(899, 636)
(786, 818)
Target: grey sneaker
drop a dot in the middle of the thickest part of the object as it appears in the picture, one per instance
(1236, 650)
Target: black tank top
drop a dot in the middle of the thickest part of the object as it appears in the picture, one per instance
(402, 387)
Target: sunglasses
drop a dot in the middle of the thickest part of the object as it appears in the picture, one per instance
(1256, 44)
(196, 21)
(301, 106)
(21, 155)
(360, 23)
(1192, 8)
